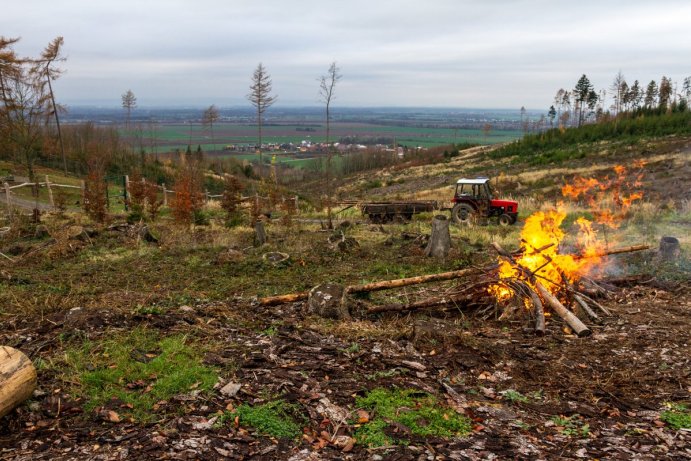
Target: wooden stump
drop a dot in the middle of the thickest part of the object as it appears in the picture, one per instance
(259, 234)
(17, 378)
(669, 248)
(328, 300)
(440, 241)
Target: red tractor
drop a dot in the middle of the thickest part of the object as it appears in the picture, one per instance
(473, 200)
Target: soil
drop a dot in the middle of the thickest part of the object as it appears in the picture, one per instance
(612, 385)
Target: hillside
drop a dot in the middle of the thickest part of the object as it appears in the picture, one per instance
(162, 350)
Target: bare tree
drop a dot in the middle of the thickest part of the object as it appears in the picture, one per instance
(261, 98)
(44, 65)
(619, 89)
(27, 107)
(327, 88)
(10, 67)
(209, 117)
(129, 103)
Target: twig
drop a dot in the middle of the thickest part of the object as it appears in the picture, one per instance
(585, 307)
(596, 304)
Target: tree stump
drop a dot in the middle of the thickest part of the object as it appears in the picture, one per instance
(17, 378)
(259, 234)
(146, 235)
(669, 249)
(440, 241)
(328, 300)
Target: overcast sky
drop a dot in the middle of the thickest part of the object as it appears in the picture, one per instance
(431, 53)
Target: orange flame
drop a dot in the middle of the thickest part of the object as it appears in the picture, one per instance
(541, 237)
(542, 234)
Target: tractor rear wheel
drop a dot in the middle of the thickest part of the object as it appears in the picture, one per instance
(463, 213)
(505, 220)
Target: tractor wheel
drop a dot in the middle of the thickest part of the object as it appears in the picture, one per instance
(505, 220)
(463, 214)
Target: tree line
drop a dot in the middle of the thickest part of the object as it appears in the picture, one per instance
(583, 104)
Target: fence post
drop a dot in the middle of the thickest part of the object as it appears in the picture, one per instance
(297, 210)
(82, 184)
(7, 195)
(126, 191)
(50, 192)
(206, 195)
(105, 179)
(165, 195)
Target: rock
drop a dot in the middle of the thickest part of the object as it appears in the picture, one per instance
(231, 389)
(333, 412)
(275, 257)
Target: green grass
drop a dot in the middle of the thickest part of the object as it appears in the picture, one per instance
(409, 411)
(571, 426)
(275, 419)
(514, 396)
(137, 370)
(677, 417)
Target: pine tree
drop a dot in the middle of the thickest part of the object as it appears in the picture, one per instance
(651, 95)
(260, 97)
(583, 95)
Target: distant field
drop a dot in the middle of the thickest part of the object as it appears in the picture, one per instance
(169, 137)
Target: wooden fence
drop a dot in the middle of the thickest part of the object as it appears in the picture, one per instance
(7, 189)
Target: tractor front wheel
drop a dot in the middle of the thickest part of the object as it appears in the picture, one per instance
(463, 213)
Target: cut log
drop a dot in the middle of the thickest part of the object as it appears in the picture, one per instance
(571, 320)
(596, 304)
(615, 251)
(282, 299)
(440, 241)
(539, 311)
(398, 283)
(376, 286)
(17, 378)
(588, 311)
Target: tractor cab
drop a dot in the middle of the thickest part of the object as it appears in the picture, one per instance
(473, 199)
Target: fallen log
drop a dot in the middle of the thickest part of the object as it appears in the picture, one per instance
(539, 311)
(571, 320)
(422, 304)
(589, 312)
(375, 286)
(615, 251)
(596, 304)
(17, 378)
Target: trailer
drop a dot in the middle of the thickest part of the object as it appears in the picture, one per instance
(382, 212)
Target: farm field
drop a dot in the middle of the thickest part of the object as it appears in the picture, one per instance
(171, 136)
(108, 321)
